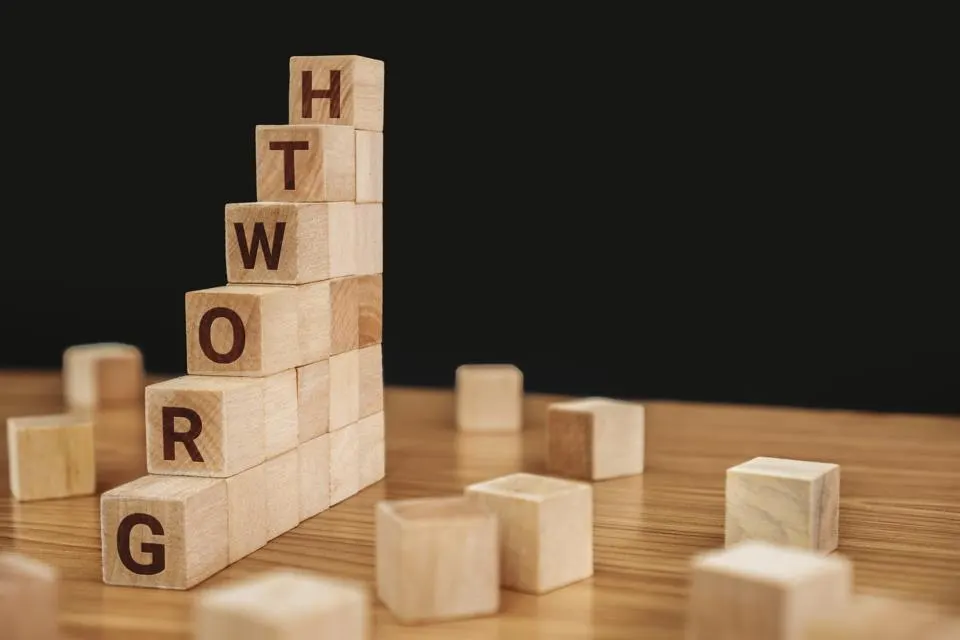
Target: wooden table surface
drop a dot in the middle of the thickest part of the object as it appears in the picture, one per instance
(899, 522)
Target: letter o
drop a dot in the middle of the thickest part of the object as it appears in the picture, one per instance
(206, 339)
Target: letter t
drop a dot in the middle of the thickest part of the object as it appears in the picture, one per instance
(289, 147)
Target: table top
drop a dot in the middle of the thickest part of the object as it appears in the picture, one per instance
(899, 522)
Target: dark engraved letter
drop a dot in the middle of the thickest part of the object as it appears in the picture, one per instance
(248, 251)
(309, 94)
(158, 556)
(171, 436)
(239, 335)
(289, 147)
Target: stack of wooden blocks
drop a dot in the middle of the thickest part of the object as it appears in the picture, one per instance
(280, 415)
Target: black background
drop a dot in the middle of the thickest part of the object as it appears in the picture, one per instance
(653, 209)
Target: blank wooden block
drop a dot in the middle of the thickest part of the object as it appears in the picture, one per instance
(489, 397)
(878, 618)
(788, 502)
(242, 330)
(283, 605)
(314, 322)
(595, 439)
(313, 398)
(29, 598)
(210, 425)
(369, 166)
(102, 375)
(369, 246)
(344, 389)
(341, 90)
(168, 532)
(282, 475)
(51, 457)
(293, 242)
(314, 476)
(344, 315)
(437, 559)
(344, 463)
(371, 380)
(281, 413)
(759, 591)
(546, 529)
(370, 311)
(306, 163)
(372, 449)
(247, 512)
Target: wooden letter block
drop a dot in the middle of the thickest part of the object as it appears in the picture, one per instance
(205, 425)
(283, 493)
(546, 530)
(314, 476)
(437, 559)
(344, 463)
(168, 532)
(370, 312)
(344, 389)
(595, 439)
(875, 618)
(344, 90)
(313, 399)
(29, 598)
(242, 330)
(248, 517)
(373, 452)
(51, 457)
(371, 380)
(306, 163)
(489, 397)
(369, 166)
(293, 242)
(759, 591)
(787, 502)
(314, 322)
(284, 605)
(102, 376)
(369, 245)
(344, 315)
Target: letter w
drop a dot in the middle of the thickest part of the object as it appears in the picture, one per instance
(248, 251)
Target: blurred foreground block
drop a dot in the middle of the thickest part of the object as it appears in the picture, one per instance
(28, 598)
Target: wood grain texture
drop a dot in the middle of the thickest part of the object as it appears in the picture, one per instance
(899, 513)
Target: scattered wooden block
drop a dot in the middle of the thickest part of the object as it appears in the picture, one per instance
(373, 452)
(370, 310)
(168, 532)
(242, 330)
(344, 389)
(104, 375)
(371, 380)
(369, 166)
(595, 439)
(788, 502)
(313, 399)
(29, 598)
(247, 512)
(283, 605)
(437, 559)
(343, 90)
(876, 618)
(283, 493)
(344, 315)
(759, 591)
(489, 397)
(314, 472)
(306, 163)
(315, 322)
(546, 530)
(344, 463)
(293, 242)
(369, 233)
(51, 457)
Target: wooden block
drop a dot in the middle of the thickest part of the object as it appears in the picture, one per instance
(314, 476)
(29, 598)
(313, 399)
(281, 413)
(242, 330)
(102, 375)
(546, 529)
(283, 493)
(208, 425)
(437, 559)
(489, 397)
(370, 312)
(344, 315)
(371, 380)
(369, 235)
(787, 502)
(595, 439)
(344, 90)
(306, 163)
(168, 532)
(373, 452)
(51, 457)
(293, 242)
(369, 166)
(314, 323)
(877, 618)
(759, 591)
(283, 605)
(344, 463)
(247, 512)
(344, 389)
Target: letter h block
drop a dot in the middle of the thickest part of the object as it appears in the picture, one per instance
(338, 90)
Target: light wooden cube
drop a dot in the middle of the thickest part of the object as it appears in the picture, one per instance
(343, 90)
(282, 475)
(344, 463)
(51, 457)
(313, 399)
(595, 439)
(344, 315)
(284, 605)
(344, 389)
(242, 330)
(315, 322)
(306, 163)
(760, 591)
(369, 246)
(546, 529)
(314, 469)
(247, 512)
(489, 397)
(29, 598)
(370, 310)
(293, 242)
(371, 380)
(102, 375)
(369, 166)
(789, 502)
(168, 532)
(878, 618)
(373, 452)
(437, 559)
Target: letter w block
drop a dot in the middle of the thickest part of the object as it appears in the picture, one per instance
(344, 90)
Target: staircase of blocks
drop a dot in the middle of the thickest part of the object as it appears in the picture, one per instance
(280, 414)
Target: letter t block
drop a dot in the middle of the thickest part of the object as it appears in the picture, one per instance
(306, 163)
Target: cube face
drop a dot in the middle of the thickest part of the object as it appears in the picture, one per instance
(282, 476)
(51, 457)
(306, 163)
(369, 235)
(338, 90)
(369, 166)
(344, 389)
(102, 375)
(372, 443)
(314, 476)
(570, 443)
(314, 322)
(313, 400)
(596, 438)
(371, 380)
(344, 315)
(344, 463)
(370, 310)
(248, 517)
(489, 397)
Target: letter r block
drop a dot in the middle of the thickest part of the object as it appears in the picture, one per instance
(306, 163)
(344, 90)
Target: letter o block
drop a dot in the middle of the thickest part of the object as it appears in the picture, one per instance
(489, 397)
(168, 532)
(437, 559)
(306, 163)
(595, 439)
(787, 502)
(102, 375)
